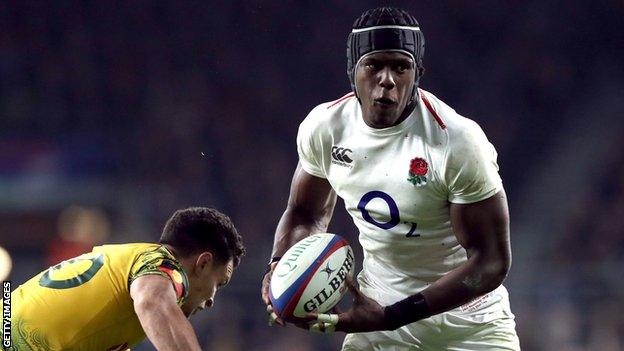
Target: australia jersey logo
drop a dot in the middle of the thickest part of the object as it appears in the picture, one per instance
(418, 170)
(342, 156)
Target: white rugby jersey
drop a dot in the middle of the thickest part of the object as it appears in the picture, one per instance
(397, 183)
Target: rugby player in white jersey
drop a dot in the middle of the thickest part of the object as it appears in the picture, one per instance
(421, 183)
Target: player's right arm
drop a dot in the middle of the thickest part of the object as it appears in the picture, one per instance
(164, 323)
(309, 210)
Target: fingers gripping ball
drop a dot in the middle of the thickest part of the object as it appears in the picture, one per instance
(325, 323)
(271, 316)
(310, 277)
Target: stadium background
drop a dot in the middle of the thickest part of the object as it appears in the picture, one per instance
(113, 114)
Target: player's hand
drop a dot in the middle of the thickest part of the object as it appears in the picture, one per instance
(266, 283)
(364, 315)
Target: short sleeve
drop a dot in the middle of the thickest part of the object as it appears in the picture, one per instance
(471, 167)
(161, 262)
(308, 147)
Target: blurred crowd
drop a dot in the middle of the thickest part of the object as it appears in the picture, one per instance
(130, 110)
(582, 300)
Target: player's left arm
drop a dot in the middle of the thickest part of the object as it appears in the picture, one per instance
(480, 220)
(482, 228)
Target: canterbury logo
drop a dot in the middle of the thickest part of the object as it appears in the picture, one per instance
(341, 154)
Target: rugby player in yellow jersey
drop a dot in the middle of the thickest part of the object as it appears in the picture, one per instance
(116, 295)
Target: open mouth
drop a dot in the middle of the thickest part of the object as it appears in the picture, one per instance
(384, 101)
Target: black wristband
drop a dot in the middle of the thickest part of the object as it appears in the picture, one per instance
(406, 311)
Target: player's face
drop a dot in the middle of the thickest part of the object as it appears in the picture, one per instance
(384, 82)
(209, 279)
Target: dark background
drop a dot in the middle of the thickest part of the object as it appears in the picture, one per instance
(114, 114)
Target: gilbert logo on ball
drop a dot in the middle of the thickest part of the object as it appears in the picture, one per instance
(311, 276)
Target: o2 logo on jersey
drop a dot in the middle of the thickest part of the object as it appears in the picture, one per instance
(395, 218)
(71, 273)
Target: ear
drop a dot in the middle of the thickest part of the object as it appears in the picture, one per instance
(205, 260)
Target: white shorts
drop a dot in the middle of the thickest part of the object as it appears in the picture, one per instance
(470, 327)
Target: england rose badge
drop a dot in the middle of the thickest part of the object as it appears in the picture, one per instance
(418, 172)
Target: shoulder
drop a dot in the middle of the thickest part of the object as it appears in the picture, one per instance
(157, 260)
(331, 114)
(130, 249)
(461, 131)
(153, 253)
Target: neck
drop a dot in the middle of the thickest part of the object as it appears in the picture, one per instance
(186, 262)
(172, 250)
(406, 112)
(371, 122)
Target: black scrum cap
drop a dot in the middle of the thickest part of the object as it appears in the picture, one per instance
(385, 29)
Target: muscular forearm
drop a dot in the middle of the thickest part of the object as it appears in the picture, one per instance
(296, 225)
(474, 278)
(482, 228)
(310, 208)
(167, 329)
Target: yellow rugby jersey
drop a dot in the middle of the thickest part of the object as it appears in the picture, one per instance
(84, 303)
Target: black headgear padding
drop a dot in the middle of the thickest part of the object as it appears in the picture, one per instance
(382, 29)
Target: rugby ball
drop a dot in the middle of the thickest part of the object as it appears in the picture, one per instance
(310, 277)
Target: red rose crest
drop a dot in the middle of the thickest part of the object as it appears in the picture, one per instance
(418, 171)
(418, 166)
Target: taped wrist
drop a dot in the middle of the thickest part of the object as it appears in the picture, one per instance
(406, 311)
